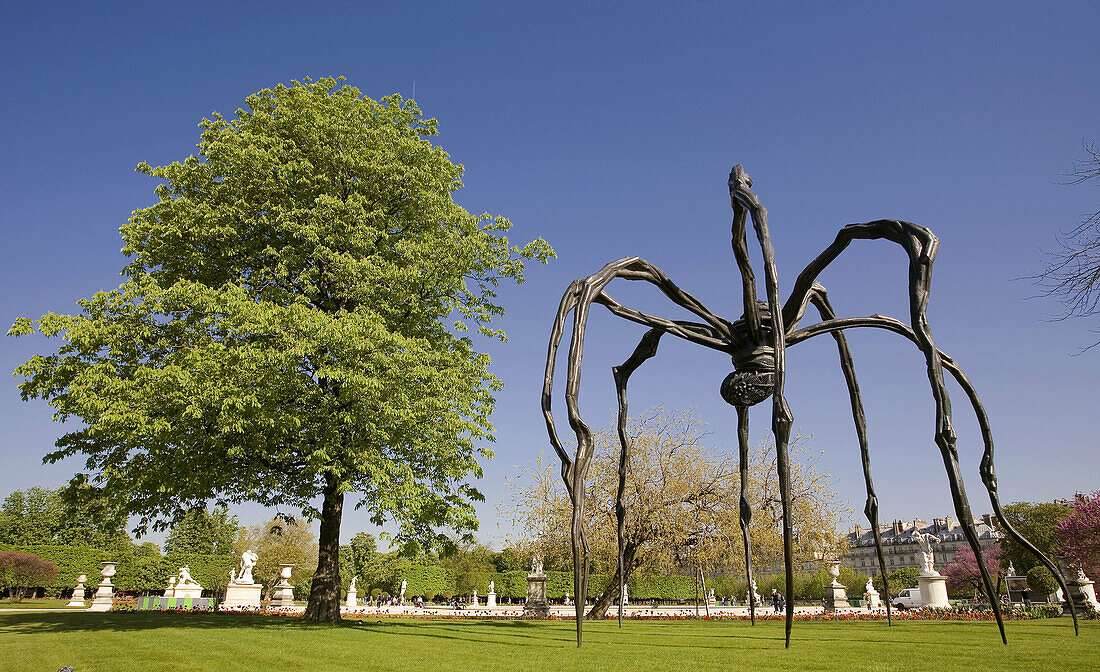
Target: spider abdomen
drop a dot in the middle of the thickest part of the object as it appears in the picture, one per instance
(747, 388)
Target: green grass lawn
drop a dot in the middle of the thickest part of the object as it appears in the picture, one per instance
(49, 603)
(159, 641)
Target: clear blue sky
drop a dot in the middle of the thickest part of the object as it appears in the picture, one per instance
(610, 131)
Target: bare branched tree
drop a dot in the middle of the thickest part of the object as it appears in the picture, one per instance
(1073, 272)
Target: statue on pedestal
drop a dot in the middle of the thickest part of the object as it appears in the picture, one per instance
(928, 559)
(242, 591)
(353, 595)
(248, 561)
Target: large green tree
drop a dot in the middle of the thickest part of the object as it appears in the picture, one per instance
(294, 326)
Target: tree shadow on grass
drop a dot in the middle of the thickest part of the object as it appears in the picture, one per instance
(44, 622)
(510, 632)
(523, 632)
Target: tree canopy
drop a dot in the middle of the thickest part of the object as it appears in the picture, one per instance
(41, 516)
(1079, 533)
(1072, 274)
(295, 324)
(964, 573)
(1038, 523)
(203, 532)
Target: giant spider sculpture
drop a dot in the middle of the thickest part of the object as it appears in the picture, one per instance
(757, 343)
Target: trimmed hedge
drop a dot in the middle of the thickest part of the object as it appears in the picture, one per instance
(70, 560)
(212, 571)
(424, 579)
(134, 573)
(661, 587)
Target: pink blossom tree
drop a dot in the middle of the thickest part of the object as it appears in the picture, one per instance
(963, 573)
(1079, 533)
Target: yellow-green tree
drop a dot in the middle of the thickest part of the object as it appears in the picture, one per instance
(682, 501)
(279, 542)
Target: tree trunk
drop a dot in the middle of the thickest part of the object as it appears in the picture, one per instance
(611, 592)
(324, 595)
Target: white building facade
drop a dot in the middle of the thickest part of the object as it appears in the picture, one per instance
(900, 549)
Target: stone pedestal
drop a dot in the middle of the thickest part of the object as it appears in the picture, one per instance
(352, 599)
(77, 600)
(491, 600)
(1083, 590)
(284, 595)
(284, 592)
(243, 595)
(872, 599)
(536, 605)
(836, 596)
(185, 591)
(1016, 587)
(933, 591)
(105, 591)
(104, 597)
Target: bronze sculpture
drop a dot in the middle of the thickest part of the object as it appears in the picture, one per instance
(756, 344)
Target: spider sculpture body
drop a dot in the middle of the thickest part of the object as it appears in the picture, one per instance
(756, 344)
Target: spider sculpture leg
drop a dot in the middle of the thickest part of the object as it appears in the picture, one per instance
(746, 508)
(921, 246)
(819, 298)
(716, 334)
(988, 477)
(742, 198)
(646, 348)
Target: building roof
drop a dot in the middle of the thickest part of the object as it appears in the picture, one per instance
(900, 532)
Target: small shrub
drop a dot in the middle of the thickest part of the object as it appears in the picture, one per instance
(1040, 580)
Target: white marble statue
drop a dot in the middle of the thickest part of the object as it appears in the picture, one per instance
(870, 587)
(232, 575)
(248, 561)
(928, 558)
(474, 601)
(404, 585)
(351, 588)
(626, 595)
(492, 587)
(1011, 571)
(536, 564)
(185, 578)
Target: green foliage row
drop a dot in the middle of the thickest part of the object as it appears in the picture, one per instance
(71, 561)
(661, 587)
(150, 574)
(136, 573)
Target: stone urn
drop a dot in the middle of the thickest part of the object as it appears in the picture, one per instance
(836, 595)
(284, 592)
